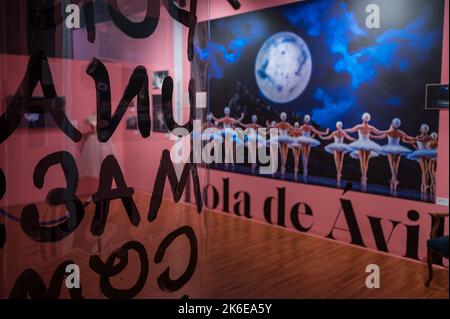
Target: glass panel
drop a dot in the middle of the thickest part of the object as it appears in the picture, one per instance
(83, 112)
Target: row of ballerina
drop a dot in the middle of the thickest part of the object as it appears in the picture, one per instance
(301, 138)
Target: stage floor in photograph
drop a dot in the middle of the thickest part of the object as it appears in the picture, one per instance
(237, 258)
(330, 182)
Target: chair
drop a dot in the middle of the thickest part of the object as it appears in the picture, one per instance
(436, 245)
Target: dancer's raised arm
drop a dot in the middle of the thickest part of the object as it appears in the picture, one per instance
(423, 138)
(378, 137)
(353, 129)
(329, 137)
(289, 126)
(405, 136)
(216, 119)
(348, 137)
(243, 124)
(316, 131)
(295, 129)
(409, 140)
(377, 131)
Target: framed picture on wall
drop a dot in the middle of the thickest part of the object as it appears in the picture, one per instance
(436, 97)
(158, 79)
(132, 120)
(159, 123)
(131, 123)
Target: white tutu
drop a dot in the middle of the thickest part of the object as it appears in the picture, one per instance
(253, 137)
(338, 147)
(272, 142)
(285, 139)
(365, 145)
(260, 141)
(92, 156)
(281, 139)
(422, 153)
(306, 140)
(394, 150)
(355, 155)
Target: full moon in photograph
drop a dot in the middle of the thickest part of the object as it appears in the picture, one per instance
(283, 67)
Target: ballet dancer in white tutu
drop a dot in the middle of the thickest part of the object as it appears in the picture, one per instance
(213, 138)
(393, 150)
(283, 139)
(432, 145)
(209, 122)
(207, 130)
(92, 155)
(364, 146)
(273, 144)
(307, 141)
(230, 136)
(338, 148)
(210, 131)
(253, 140)
(227, 121)
(211, 134)
(421, 154)
(296, 147)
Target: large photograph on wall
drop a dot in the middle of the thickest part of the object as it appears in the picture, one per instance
(343, 81)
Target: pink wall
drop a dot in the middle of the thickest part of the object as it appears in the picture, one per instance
(443, 177)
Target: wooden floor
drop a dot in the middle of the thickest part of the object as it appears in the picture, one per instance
(237, 259)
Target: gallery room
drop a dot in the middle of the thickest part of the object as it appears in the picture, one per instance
(224, 149)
